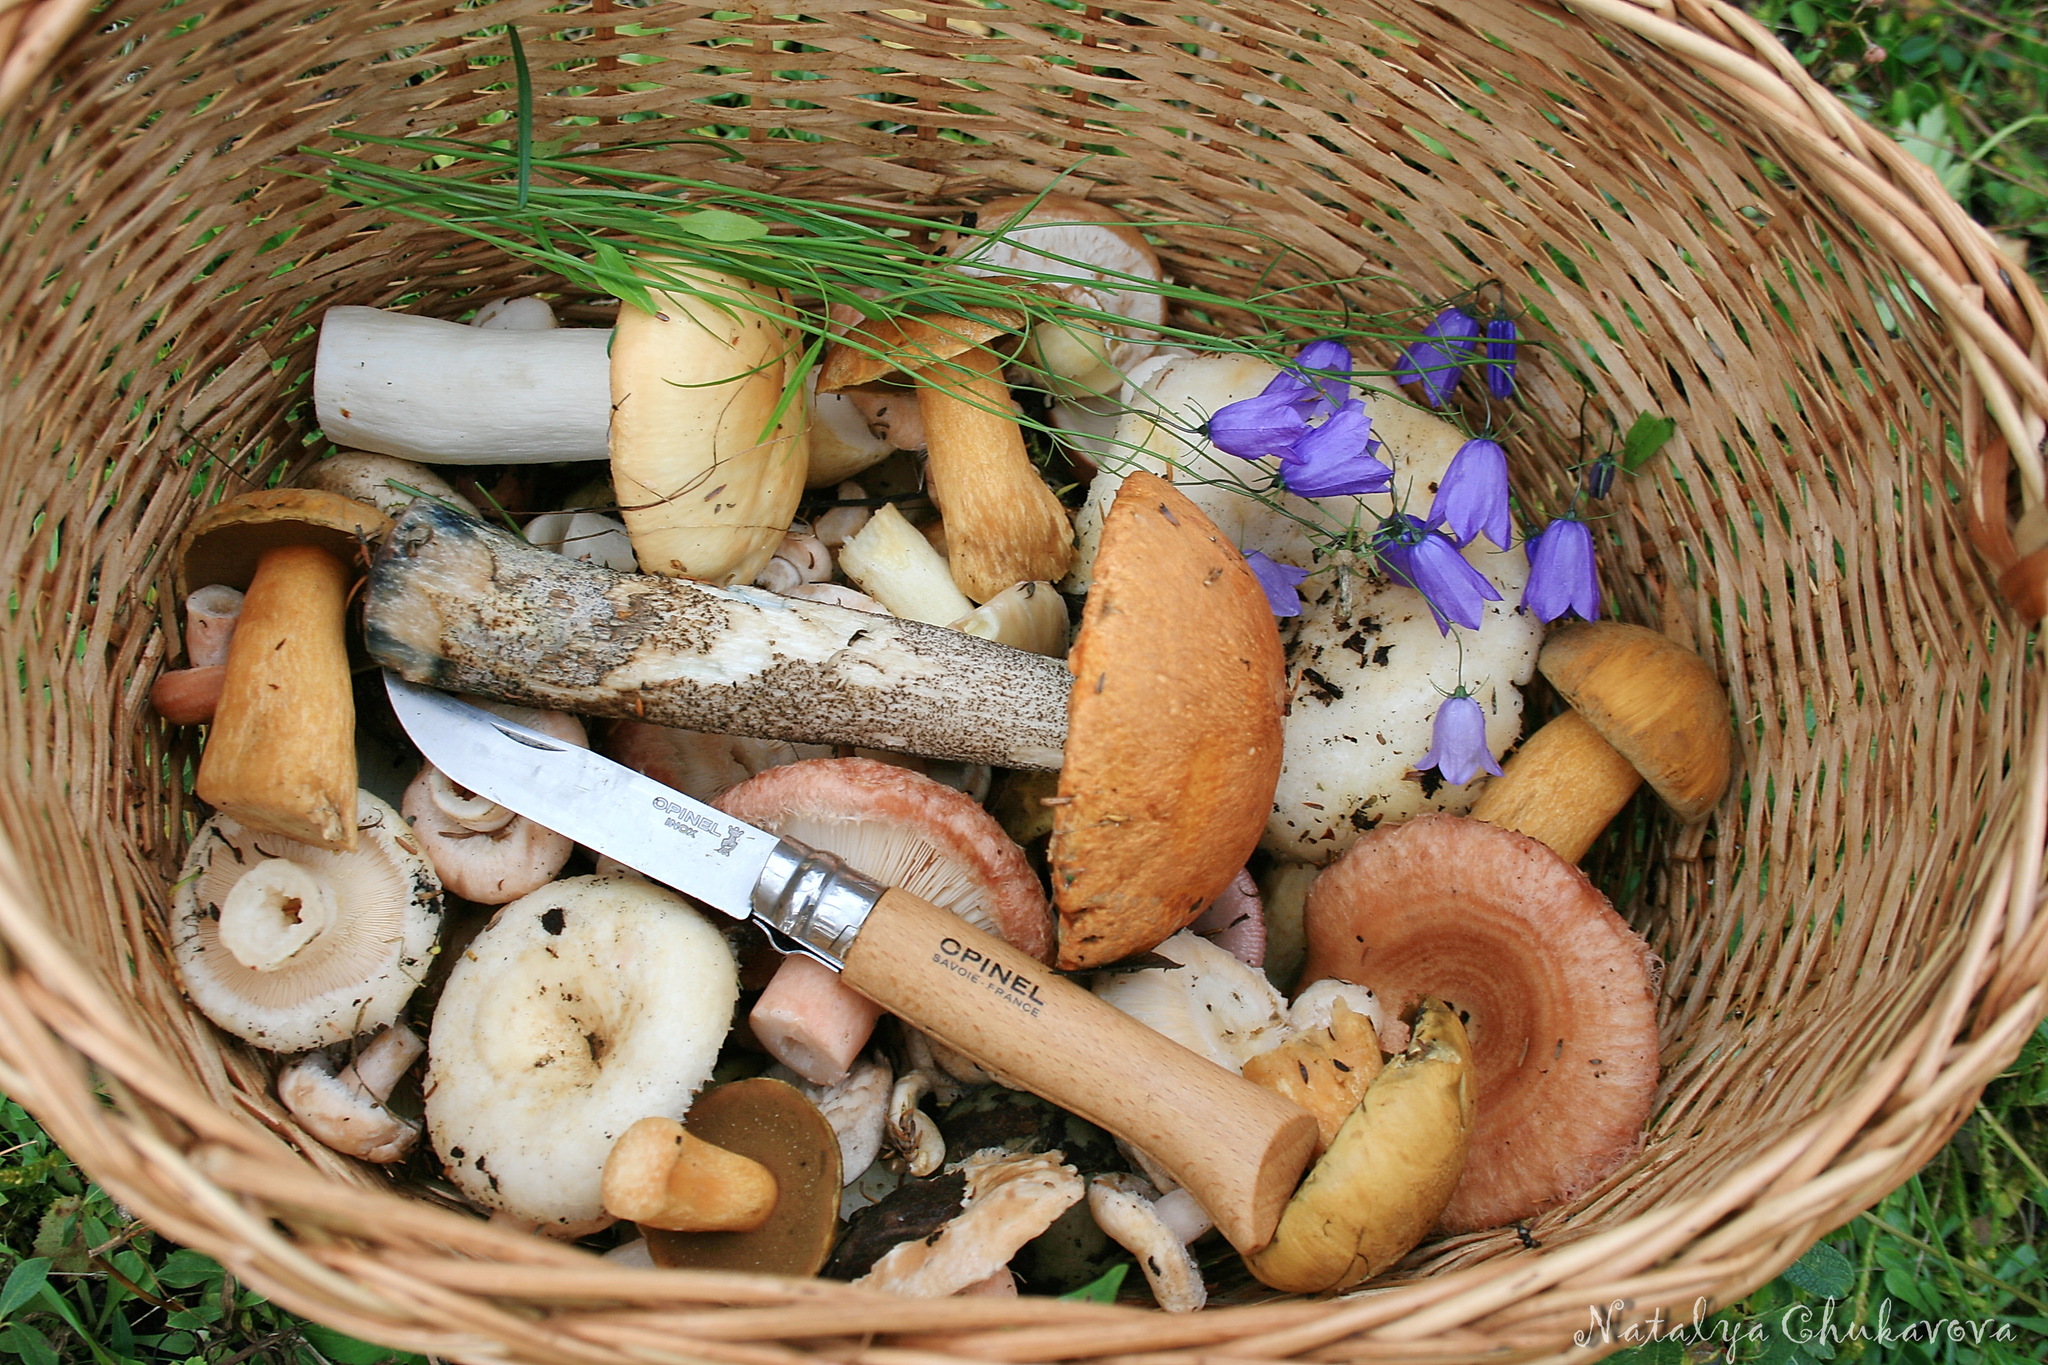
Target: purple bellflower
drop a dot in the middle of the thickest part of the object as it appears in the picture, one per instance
(1331, 358)
(1472, 500)
(1500, 358)
(1458, 741)
(1280, 582)
(1439, 358)
(1424, 559)
(1562, 574)
(1336, 458)
(1268, 423)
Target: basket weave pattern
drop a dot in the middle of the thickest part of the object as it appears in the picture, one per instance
(1853, 944)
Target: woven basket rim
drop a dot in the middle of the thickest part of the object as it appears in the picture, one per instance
(61, 1034)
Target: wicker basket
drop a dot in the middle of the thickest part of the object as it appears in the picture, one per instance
(1854, 946)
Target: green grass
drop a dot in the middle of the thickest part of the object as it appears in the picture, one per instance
(1963, 1242)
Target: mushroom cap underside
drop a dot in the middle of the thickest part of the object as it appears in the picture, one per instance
(881, 347)
(224, 543)
(1658, 703)
(1173, 729)
(1559, 993)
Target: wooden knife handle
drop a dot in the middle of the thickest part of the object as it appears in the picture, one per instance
(1238, 1148)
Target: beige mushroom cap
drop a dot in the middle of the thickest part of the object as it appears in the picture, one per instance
(292, 947)
(1173, 729)
(1009, 1200)
(883, 347)
(1658, 703)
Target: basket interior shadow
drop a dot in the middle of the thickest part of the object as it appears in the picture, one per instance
(1825, 935)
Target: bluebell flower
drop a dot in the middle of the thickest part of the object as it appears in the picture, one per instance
(1268, 423)
(1332, 358)
(1458, 741)
(1336, 458)
(1439, 358)
(1562, 574)
(1472, 500)
(1500, 358)
(1599, 478)
(1424, 559)
(1279, 581)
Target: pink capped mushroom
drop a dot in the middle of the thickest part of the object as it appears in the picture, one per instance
(345, 1109)
(483, 851)
(901, 829)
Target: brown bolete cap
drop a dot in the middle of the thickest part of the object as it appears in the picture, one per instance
(1559, 994)
(1658, 703)
(1173, 729)
(773, 1123)
(223, 543)
(883, 347)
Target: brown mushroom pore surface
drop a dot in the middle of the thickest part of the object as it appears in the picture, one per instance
(1560, 995)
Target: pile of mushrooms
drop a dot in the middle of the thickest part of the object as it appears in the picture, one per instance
(868, 621)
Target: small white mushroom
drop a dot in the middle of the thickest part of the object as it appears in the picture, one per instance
(838, 595)
(291, 947)
(836, 525)
(528, 314)
(801, 558)
(381, 481)
(911, 1132)
(1124, 1207)
(483, 851)
(586, 537)
(1031, 616)
(856, 1106)
(842, 442)
(345, 1109)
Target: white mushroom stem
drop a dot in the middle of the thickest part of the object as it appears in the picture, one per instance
(345, 1110)
(1028, 616)
(811, 1022)
(837, 525)
(1123, 1208)
(445, 393)
(211, 614)
(382, 1061)
(912, 1133)
(801, 558)
(894, 564)
(273, 911)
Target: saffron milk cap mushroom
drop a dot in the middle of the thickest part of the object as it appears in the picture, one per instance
(1173, 729)
(1644, 708)
(292, 946)
(1559, 994)
(580, 1009)
(707, 460)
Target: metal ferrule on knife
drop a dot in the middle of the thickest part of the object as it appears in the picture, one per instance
(814, 900)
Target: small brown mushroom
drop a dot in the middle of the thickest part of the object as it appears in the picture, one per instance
(281, 756)
(661, 1175)
(1643, 708)
(1173, 729)
(1325, 1070)
(345, 1109)
(1005, 522)
(1560, 995)
(771, 1123)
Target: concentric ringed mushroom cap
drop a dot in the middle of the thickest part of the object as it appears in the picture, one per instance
(1173, 729)
(1658, 703)
(291, 947)
(1559, 993)
(904, 829)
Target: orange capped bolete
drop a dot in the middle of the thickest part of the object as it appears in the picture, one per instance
(1173, 729)
(281, 756)
(1559, 994)
(1644, 709)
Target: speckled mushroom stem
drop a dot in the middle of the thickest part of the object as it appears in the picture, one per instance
(457, 605)
(1003, 525)
(1561, 788)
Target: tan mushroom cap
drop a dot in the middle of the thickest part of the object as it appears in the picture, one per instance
(770, 1122)
(223, 543)
(1658, 703)
(904, 829)
(882, 347)
(1559, 993)
(1173, 729)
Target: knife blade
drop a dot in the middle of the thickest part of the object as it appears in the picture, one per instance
(1238, 1148)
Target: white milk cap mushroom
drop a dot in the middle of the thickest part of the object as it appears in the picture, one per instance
(1125, 1208)
(291, 947)
(579, 1010)
(587, 537)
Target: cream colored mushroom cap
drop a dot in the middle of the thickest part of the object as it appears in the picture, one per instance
(322, 980)
(581, 1008)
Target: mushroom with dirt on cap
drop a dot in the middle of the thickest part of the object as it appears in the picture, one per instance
(1643, 708)
(289, 945)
